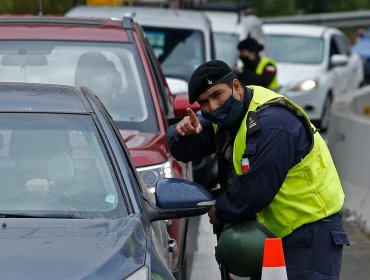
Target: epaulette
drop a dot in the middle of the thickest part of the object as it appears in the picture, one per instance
(252, 123)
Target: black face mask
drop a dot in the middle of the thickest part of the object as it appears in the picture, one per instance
(249, 63)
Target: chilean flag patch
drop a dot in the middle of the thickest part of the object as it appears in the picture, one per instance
(270, 69)
(245, 164)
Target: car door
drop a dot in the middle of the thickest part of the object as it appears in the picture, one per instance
(342, 74)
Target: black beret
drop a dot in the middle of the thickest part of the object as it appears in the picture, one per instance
(206, 76)
(250, 44)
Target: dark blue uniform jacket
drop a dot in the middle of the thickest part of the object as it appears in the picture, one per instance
(279, 144)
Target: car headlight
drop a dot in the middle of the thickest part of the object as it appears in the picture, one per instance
(140, 274)
(151, 174)
(306, 85)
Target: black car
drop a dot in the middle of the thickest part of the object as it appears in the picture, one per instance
(72, 203)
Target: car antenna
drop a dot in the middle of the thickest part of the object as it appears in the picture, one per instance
(40, 8)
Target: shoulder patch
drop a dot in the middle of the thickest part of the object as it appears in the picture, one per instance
(252, 123)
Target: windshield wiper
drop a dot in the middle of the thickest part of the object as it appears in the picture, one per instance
(39, 215)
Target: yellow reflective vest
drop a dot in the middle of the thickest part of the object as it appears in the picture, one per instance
(274, 85)
(312, 189)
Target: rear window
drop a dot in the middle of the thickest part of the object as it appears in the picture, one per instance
(111, 71)
(180, 51)
(226, 45)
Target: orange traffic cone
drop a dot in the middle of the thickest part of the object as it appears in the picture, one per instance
(273, 267)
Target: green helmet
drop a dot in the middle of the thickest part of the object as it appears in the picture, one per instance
(240, 247)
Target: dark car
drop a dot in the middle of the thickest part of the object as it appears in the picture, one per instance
(72, 203)
(114, 60)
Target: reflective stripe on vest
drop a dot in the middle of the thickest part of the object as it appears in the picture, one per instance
(274, 85)
(311, 190)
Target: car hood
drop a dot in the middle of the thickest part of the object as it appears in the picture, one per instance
(146, 148)
(71, 249)
(289, 73)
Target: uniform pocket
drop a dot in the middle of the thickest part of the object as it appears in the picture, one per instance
(340, 238)
(250, 150)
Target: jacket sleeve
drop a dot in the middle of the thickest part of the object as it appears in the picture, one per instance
(249, 77)
(188, 148)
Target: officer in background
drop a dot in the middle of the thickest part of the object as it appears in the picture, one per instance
(256, 70)
(274, 167)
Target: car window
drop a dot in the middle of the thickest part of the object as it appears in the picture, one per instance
(56, 163)
(342, 44)
(334, 47)
(226, 47)
(111, 71)
(296, 49)
(163, 94)
(180, 51)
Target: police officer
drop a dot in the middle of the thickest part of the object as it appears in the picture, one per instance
(256, 70)
(273, 167)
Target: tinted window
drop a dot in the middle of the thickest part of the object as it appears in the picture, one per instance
(112, 71)
(179, 51)
(296, 49)
(226, 47)
(342, 45)
(53, 163)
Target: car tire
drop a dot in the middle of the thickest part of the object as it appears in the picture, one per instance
(325, 116)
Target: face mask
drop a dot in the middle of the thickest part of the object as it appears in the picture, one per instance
(249, 63)
(228, 114)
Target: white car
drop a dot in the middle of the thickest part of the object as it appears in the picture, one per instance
(315, 65)
(229, 28)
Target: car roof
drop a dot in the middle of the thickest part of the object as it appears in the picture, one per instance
(53, 28)
(295, 29)
(27, 97)
(147, 16)
(227, 22)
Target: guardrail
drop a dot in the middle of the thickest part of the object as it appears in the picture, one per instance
(339, 20)
(349, 143)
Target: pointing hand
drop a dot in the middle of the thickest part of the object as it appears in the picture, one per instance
(189, 125)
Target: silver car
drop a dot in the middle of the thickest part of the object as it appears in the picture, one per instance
(315, 65)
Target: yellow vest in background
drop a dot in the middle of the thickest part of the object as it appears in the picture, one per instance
(274, 85)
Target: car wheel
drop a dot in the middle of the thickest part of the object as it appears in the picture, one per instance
(325, 117)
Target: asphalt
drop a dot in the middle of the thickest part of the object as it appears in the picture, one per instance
(202, 265)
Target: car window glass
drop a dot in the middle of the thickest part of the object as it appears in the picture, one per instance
(226, 47)
(296, 49)
(179, 51)
(53, 162)
(111, 71)
(163, 97)
(342, 45)
(334, 48)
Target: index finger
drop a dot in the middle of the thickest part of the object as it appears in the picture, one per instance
(191, 114)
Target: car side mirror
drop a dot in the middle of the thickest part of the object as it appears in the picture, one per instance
(338, 60)
(178, 198)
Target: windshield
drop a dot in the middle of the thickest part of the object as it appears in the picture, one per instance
(296, 49)
(179, 51)
(56, 165)
(226, 47)
(111, 71)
